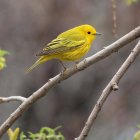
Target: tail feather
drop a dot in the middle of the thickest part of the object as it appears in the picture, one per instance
(41, 60)
(32, 67)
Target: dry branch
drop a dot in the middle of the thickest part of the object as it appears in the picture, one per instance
(12, 98)
(112, 85)
(69, 72)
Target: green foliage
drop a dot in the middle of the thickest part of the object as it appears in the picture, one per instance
(137, 134)
(130, 2)
(13, 135)
(2, 58)
(45, 133)
(138, 126)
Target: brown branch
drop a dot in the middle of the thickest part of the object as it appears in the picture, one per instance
(68, 73)
(112, 85)
(12, 98)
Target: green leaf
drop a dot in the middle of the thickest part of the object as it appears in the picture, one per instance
(58, 127)
(47, 129)
(2, 62)
(138, 126)
(10, 133)
(130, 2)
(22, 136)
(13, 135)
(3, 52)
(45, 133)
(137, 136)
(2, 59)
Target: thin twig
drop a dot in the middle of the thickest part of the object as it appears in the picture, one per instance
(106, 92)
(68, 73)
(114, 17)
(12, 98)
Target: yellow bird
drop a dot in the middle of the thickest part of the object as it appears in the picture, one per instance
(70, 45)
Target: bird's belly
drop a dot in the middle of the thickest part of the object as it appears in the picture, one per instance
(74, 54)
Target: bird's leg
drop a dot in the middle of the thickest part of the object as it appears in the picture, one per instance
(76, 62)
(62, 65)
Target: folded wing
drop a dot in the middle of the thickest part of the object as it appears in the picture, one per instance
(61, 45)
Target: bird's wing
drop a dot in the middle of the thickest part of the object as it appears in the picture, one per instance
(61, 44)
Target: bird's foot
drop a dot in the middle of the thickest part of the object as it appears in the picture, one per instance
(76, 62)
(62, 65)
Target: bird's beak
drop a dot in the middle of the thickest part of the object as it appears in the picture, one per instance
(97, 33)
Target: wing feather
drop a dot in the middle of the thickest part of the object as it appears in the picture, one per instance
(60, 45)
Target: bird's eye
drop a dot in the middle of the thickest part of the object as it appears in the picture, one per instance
(89, 32)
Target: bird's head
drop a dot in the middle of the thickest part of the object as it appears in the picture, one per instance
(90, 32)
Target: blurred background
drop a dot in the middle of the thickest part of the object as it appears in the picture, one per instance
(27, 25)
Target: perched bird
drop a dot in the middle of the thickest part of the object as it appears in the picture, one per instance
(70, 45)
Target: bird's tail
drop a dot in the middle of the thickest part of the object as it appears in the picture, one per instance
(41, 60)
